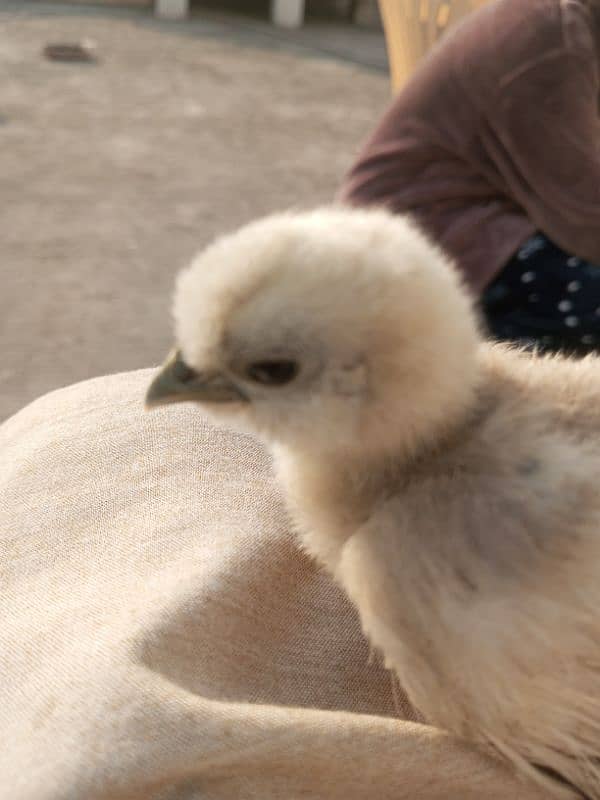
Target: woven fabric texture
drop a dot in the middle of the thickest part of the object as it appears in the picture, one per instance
(163, 637)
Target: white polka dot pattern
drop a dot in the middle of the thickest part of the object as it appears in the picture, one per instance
(546, 299)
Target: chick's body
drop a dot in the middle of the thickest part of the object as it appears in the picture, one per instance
(475, 566)
(448, 484)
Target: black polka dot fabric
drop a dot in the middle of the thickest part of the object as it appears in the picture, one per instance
(545, 299)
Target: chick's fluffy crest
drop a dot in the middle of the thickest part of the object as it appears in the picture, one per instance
(360, 297)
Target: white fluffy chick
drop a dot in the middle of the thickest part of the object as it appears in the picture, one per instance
(449, 485)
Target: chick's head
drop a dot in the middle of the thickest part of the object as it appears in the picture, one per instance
(335, 328)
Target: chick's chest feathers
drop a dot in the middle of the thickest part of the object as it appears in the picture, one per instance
(526, 452)
(475, 565)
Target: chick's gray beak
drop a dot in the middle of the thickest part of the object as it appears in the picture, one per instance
(176, 383)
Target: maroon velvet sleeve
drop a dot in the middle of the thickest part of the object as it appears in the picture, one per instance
(549, 149)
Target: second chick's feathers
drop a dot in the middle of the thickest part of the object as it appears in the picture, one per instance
(448, 484)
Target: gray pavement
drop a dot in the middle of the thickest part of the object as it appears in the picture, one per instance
(113, 174)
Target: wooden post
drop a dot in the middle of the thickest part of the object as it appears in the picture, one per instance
(171, 9)
(287, 13)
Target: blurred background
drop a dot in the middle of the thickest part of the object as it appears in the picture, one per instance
(115, 171)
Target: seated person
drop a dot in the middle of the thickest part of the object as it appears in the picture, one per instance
(493, 146)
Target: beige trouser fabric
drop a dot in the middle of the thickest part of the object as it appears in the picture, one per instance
(162, 636)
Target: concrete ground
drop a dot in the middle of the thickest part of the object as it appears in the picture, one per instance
(113, 174)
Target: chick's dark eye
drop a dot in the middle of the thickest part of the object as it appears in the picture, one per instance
(272, 373)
